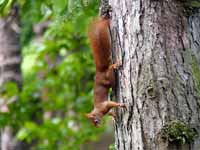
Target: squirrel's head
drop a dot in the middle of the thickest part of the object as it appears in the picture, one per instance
(96, 119)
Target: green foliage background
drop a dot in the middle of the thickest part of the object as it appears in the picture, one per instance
(58, 73)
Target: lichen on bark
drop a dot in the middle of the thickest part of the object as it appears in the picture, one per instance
(196, 73)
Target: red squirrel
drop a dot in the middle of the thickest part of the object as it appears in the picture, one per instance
(100, 40)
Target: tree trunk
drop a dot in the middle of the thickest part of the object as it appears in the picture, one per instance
(160, 78)
(10, 59)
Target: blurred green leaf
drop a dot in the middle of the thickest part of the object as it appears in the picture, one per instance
(22, 134)
(59, 5)
(3, 3)
(11, 89)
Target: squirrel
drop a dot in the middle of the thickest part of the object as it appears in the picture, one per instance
(100, 40)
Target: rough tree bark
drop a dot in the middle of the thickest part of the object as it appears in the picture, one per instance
(194, 29)
(160, 78)
(10, 60)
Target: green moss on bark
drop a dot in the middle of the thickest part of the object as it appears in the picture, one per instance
(194, 4)
(190, 6)
(177, 131)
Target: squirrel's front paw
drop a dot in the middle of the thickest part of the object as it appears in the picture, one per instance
(115, 65)
(122, 105)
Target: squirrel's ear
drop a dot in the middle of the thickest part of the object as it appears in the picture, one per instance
(89, 115)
